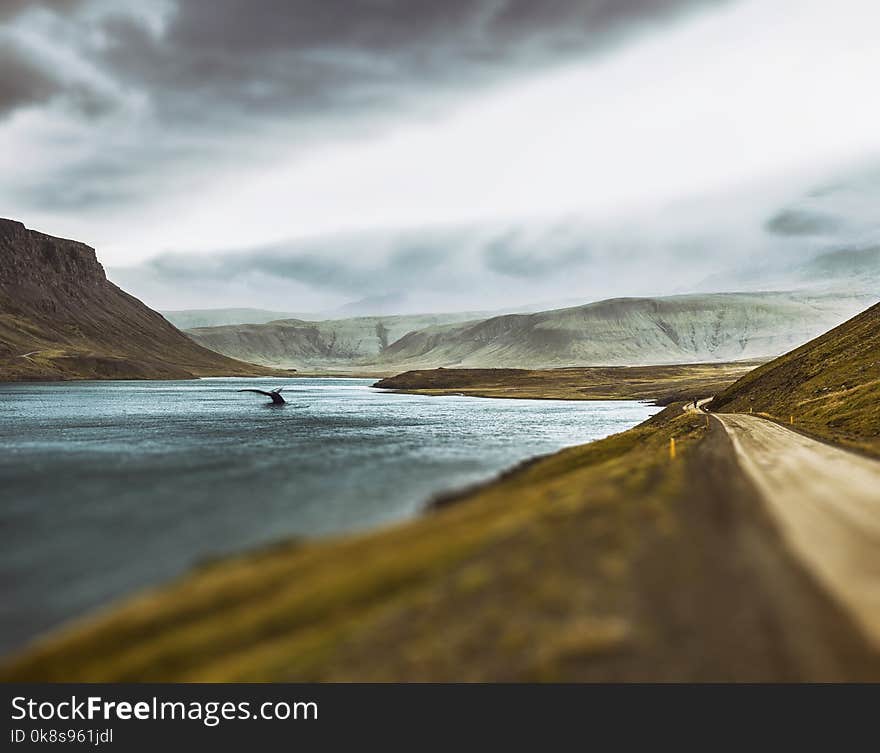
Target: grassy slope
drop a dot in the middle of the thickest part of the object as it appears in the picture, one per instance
(605, 561)
(85, 361)
(830, 386)
(663, 384)
(97, 361)
(109, 335)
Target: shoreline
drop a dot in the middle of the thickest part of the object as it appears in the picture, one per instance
(437, 501)
(423, 503)
(433, 503)
(592, 399)
(428, 505)
(282, 374)
(658, 385)
(655, 551)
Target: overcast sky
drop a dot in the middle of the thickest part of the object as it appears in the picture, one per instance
(470, 154)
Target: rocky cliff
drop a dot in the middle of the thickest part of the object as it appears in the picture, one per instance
(60, 318)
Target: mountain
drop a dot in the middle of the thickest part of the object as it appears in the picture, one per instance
(623, 331)
(631, 331)
(60, 318)
(830, 386)
(335, 343)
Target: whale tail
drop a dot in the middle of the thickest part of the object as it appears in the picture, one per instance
(273, 395)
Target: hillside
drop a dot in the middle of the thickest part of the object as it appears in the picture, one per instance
(619, 332)
(335, 343)
(662, 384)
(631, 331)
(60, 318)
(829, 387)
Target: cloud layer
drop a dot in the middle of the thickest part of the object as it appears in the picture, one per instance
(193, 82)
(825, 237)
(467, 153)
(201, 59)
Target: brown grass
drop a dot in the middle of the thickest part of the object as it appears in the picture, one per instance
(830, 387)
(663, 384)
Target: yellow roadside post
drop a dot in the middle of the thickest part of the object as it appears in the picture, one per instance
(672, 448)
(791, 420)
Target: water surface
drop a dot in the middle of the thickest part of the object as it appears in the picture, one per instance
(106, 487)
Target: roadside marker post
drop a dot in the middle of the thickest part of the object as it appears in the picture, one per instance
(672, 448)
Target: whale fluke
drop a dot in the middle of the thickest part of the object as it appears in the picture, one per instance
(275, 395)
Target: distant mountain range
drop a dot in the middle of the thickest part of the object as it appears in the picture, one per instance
(60, 318)
(220, 317)
(324, 345)
(622, 331)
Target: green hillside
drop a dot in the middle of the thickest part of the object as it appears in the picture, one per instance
(829, 387)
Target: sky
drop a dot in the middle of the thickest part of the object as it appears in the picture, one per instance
(442, 154)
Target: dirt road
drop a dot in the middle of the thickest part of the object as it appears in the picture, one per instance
(698, 408)
(826, 502)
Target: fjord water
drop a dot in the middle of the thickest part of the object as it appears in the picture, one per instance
(106, 487)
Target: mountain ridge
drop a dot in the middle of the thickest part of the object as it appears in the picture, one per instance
(301, 343)
(630, 331)
(633, 331)
(61, 318)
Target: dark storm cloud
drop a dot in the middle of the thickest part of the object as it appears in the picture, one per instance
(329, 264)
(514, 253)
(383, 263)
(243, 76)
(421, 257)
(23, 80)
(219, 60)
(11, 8)
(244, 57)
(112, 178)
(841, 208)
(802, 222)
(26, 80)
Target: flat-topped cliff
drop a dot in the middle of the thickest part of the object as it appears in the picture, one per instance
(61, 318)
